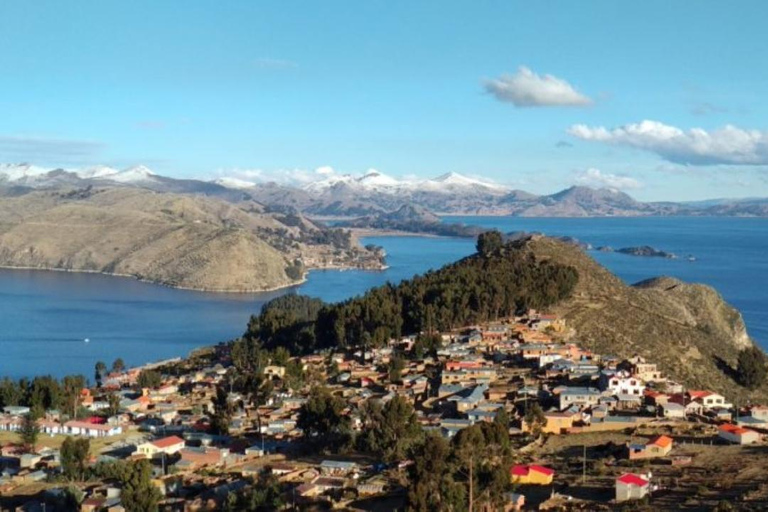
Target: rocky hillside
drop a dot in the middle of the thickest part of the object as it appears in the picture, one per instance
(178, 240)
(687, 329)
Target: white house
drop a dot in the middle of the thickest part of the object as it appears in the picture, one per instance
(83, 428)
(631, 487)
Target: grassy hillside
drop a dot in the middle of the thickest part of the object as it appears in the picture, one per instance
(177, 240)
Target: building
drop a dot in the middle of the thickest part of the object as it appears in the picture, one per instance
(737, 435)
(631, 487)
(166, 445)
(709, 399)
(579, 396)
(84, 428)
(621, 383)
(673, 410)
(658, 446)
(531, 474)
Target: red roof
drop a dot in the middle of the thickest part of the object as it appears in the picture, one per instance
(523, 470)
(167, 441)
(633, 479)
(662, 441)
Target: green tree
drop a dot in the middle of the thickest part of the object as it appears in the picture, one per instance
(28, 433)
(118, 366)
(222, 412)
(113, 399)
(395, 368)
(139, 494)
(149, 379)
(100, 371)
(489, 242)
(69, 400)
(74, 457)
(429, 475)
(322, 418)
(390, 431)
(751, 369)
(534, 419)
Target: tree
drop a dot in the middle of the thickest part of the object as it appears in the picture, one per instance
(139, 494)
(100, 371)
(72, 386)
(395, 369)
(222, 412)
(322, 418)
(428, 475)
(391, 430)
(28, 433)
(489, 242)
(118, 366)
(751, 369)
(74, 457)
(535, 419)
(113, 399)
(149, 379)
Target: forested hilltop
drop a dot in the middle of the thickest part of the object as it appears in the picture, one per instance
(497, 281)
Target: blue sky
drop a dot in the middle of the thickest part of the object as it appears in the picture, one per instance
(200, 89)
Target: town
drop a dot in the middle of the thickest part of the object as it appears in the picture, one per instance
(587, 431)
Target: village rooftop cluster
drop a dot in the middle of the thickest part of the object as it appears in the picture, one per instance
(550, 387)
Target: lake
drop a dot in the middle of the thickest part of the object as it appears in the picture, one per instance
(46, 316)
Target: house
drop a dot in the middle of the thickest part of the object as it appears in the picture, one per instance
(638, 367)
(167, 445)
(84, 428)
(737, 435)
(658, 446)
(336, 467)
(556, 422)
(621, 383)
(578, 396)
(631, 487)
(709, 399)
(759, 411)
(531, 474)
(672, 410)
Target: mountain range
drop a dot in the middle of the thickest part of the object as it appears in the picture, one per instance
(375, 193)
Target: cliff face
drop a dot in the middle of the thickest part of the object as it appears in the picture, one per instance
(687, 329)
(181, 241)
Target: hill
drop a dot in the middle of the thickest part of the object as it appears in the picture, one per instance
(687, 329)
(185, 241)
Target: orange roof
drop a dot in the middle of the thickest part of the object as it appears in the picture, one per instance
(734, 429)
(698, 393)
(662, 441)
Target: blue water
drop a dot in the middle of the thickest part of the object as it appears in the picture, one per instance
(45, 316)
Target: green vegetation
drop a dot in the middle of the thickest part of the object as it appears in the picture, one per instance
(751, 370)
(470, 472)
(322, 420)
(389, 431)
(118, 366)
(43, 393)
(74, 457)
(138, 491)
(28, 433)
(497, 282)
(149, 379)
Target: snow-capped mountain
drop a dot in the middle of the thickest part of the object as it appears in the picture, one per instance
(33, 176)
(137, 174)
(375, 181)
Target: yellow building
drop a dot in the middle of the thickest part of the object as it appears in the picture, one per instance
(531, 474)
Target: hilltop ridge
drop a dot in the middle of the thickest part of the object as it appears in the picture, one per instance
(687, 329)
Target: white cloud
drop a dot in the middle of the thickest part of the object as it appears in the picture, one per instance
(727, 145)
(294, 177)
(598, 179)
(528, 89)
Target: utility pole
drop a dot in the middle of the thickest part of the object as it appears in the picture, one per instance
(584, 466)
(471, 482)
